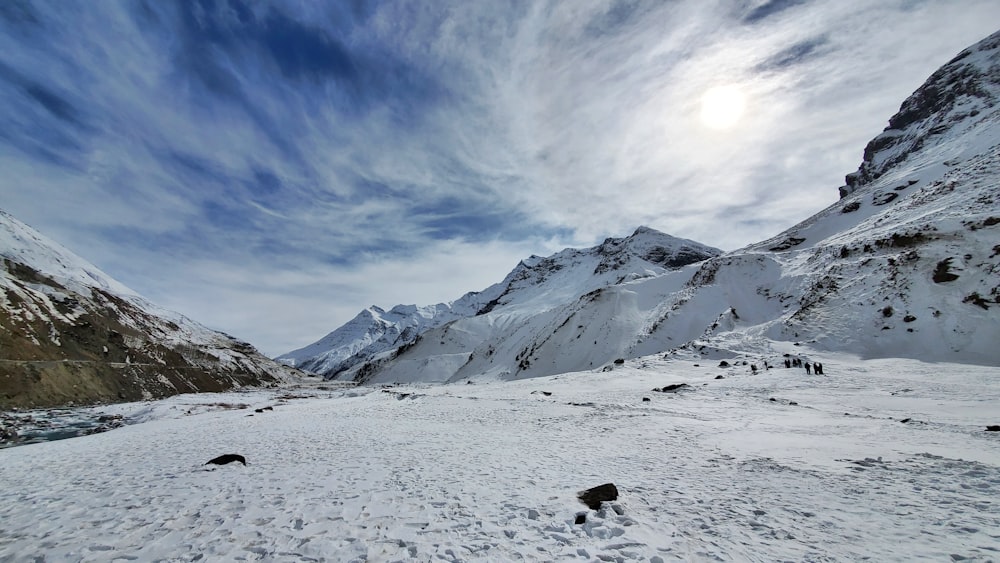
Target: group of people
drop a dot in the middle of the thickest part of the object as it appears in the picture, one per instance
(811, 368)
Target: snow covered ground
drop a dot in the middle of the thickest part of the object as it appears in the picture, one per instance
(774, 466)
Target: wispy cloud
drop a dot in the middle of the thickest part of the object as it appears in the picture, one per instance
(239, 161)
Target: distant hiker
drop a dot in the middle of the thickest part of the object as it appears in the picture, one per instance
(766, 366)
(788, 363)
(807, 369)
(818, 368)
(753, 368)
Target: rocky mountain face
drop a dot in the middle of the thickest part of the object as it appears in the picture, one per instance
(905, 264)
(69, 334)
(957, 98)
(535, 286)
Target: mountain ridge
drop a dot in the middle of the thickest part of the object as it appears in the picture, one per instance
(642, 253)
(900, 266)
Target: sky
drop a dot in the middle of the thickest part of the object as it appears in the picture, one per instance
(269, 169)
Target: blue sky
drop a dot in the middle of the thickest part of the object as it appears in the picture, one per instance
(270, 168)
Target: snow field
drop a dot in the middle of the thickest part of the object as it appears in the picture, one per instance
(489, 472)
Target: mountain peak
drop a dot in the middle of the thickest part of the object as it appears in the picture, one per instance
(961, 95)
(644, 230)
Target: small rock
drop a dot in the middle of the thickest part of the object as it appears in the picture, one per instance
(533, 514)
(646, 399)
(670, 388)
(719, 377)
(993, 428)
(723, 364)
(792, 403)
(905, 420)
(581, 518)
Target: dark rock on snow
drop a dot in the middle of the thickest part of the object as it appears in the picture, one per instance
(673, 388)
(227, 458)
(595, 496)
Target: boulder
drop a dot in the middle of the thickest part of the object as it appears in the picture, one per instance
(595, 496)
(227, 458)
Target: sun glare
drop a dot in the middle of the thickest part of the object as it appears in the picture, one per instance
(722, 107)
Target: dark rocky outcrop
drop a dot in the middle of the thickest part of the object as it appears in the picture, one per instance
(942, 273)
(788, 243)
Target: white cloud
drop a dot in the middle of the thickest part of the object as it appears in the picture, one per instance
(482, 133)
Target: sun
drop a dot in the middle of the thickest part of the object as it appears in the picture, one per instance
(722, 107)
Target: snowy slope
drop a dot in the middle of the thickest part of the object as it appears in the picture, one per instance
(70, 333)
(906, 264)
(535, 286)
(778, 466)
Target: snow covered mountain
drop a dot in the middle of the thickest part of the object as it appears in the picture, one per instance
(71, 334)
(534, 287)
(906, 264)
